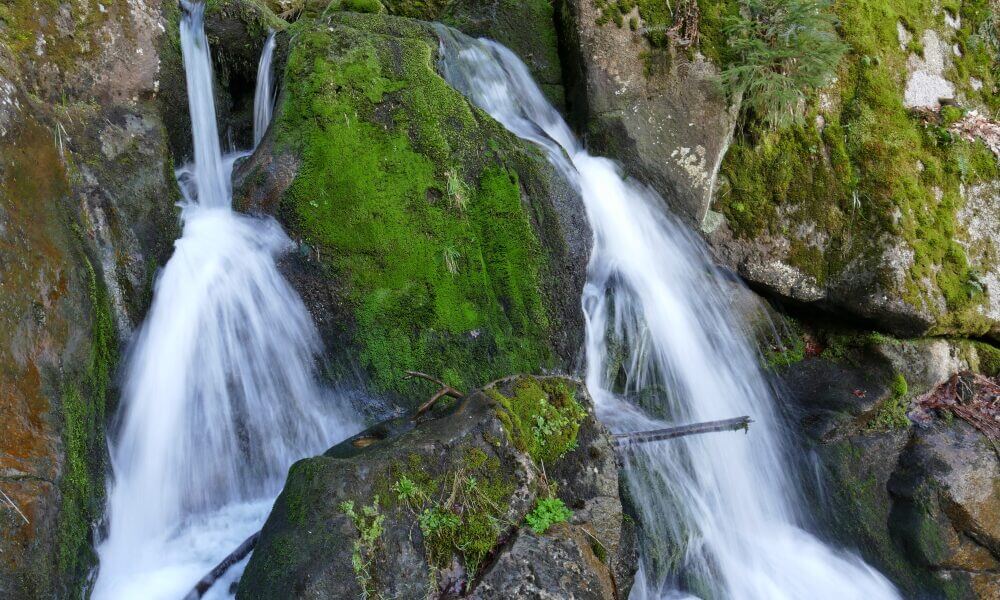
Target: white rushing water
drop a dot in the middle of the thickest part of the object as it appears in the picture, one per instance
(720, 513)
(219, 394)
(263, 98)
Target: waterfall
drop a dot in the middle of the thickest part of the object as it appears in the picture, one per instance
(263, 97)
(721, 516)
(219, 394)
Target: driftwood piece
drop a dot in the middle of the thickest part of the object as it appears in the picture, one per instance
(446, 390)
(624, 440)
(220, 569)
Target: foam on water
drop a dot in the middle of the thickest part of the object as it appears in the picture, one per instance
(219, 394)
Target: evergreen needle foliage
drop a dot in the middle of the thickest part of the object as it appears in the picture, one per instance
(785, 49)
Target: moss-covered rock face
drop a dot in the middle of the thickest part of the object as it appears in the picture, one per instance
(874, 203)
(415, 510)
(427, 229)
(527, 27)
(86, 214)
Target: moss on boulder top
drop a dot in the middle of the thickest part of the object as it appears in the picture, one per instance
(437, 507)
(871, 203)
(429, 238)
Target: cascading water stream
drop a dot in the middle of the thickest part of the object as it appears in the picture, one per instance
(219, 394)
(263, 98)
(720, 513)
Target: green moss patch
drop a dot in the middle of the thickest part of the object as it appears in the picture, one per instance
(414, 204)
(460, 510)
(541, 417)
(83, 410)
(863, 175)
(892, 412)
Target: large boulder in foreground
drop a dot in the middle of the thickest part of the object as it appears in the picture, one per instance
(439, 508)
(430, 238)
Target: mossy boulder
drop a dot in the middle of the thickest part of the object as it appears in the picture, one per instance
(873, 204)
(437, 505)
(430, 238)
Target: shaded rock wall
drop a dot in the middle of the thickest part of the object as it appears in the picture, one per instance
(80, 239)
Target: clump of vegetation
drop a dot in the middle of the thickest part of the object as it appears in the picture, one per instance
(460, 513)
(370, 524)
(785, 50)
(892, 414)
(362, 6)
(542, 417)
(547, 512)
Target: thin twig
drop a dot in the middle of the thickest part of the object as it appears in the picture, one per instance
(7, 498)
(446, 390)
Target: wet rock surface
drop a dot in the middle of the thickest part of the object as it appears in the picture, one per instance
(86, 215)
(920, 502)
(307, 545)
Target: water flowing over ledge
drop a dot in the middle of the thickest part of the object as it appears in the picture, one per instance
(721, 515)
(220, 393)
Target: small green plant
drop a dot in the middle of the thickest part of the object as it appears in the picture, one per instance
(892, 414)
(785, 49)
(370, 525)
(547, 512)
(406, 490)
(457, 190)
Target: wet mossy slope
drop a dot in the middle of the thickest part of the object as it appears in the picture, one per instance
(421, 211)
(864, 197)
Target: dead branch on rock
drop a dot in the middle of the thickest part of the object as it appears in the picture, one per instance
(624, 440)
(445, 390)
(220, 569)
(972, 397)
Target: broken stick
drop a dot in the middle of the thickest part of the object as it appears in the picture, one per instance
(220, 569)
(623, 440)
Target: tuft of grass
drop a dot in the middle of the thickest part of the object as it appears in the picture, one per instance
(785, 50)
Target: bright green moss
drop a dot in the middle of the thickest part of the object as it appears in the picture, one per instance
(892, 413)
(541, 417)
(989, 359)
(421, 220)
(83, 410)
(863, 171)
